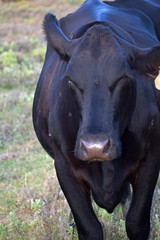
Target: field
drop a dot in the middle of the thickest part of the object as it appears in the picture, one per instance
(32, 205)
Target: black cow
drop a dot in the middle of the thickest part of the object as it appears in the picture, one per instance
(96, 110)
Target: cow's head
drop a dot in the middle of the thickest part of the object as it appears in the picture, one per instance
(100, 72)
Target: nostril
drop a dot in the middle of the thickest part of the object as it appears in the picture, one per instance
(107, 144)
(83, 147)
(94, 149)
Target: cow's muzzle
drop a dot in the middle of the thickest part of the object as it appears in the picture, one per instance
(97, 148)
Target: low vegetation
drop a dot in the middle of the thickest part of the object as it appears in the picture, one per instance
(32, 205)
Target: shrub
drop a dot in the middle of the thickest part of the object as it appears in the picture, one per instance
(8, 58)
(39, 53)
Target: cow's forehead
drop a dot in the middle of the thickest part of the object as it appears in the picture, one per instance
(98, 55)
(100, 63)
(98, 40)
(98, 46)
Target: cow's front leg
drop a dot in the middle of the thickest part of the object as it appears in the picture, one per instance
(78, 198)
(138, 217)
(126, 199)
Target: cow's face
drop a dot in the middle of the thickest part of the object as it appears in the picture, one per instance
(101, 78)
(99, 73)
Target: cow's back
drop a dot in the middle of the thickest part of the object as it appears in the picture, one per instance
(134, 22)
(149, 7)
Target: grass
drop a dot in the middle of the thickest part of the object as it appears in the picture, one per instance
(32, 205)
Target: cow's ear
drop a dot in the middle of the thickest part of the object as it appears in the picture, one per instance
(147, 61)
(56, 38)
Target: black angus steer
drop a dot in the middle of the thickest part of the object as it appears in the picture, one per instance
(96, 111)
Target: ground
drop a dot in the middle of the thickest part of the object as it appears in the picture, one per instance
(32, 205)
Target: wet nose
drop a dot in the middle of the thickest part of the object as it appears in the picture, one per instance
(95, 150)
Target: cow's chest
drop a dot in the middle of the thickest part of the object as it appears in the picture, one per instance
(107, 184)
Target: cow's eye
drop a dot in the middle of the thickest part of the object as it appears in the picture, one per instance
(70, 83)
(73, 85)
(120, 82)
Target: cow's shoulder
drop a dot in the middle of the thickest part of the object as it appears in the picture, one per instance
(82, 16)
(149, 7)
(133, 21)
(133, 4)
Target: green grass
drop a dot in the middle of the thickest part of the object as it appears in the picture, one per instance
(32, 205)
